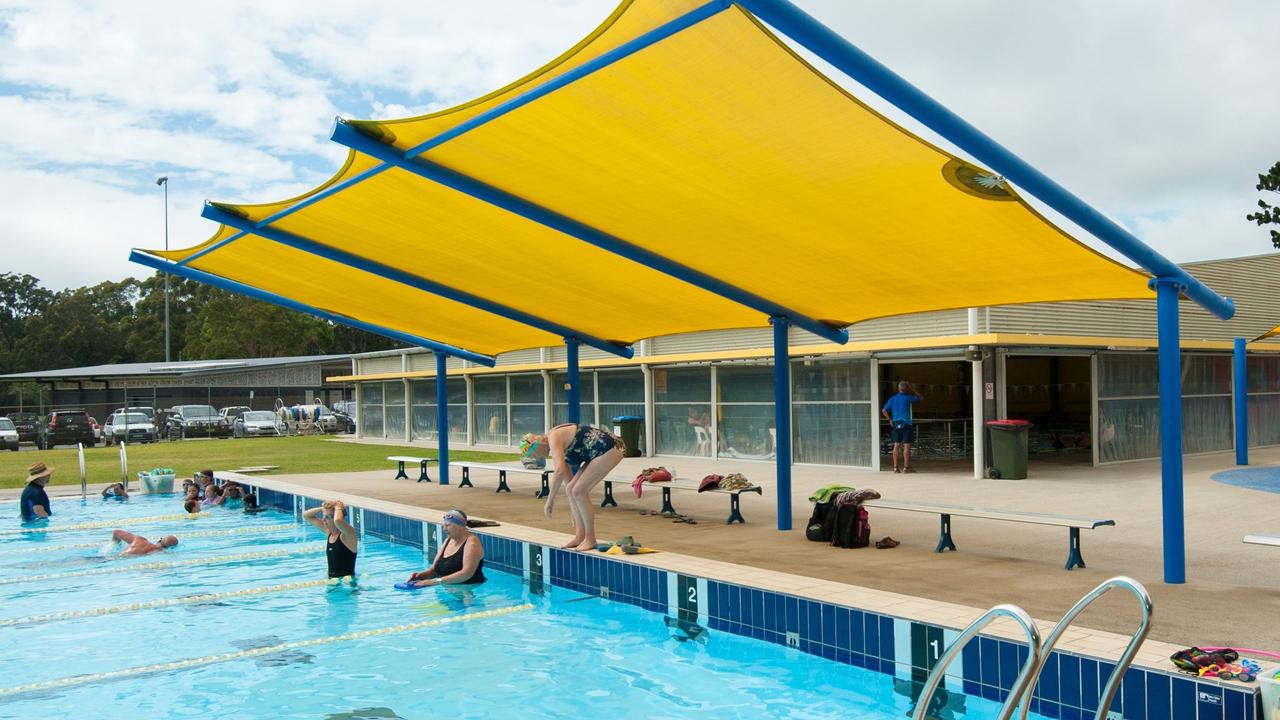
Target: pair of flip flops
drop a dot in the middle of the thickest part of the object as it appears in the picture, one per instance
(625, 545)
(887, 543)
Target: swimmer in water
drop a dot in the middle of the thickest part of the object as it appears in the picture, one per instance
(139, 545)
(115, 492)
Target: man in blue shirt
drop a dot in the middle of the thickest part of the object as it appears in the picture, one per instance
(35, 501)
(898, 412)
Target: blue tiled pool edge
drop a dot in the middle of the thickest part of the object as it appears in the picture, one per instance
(906, 649)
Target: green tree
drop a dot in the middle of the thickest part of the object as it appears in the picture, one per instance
(79, 327)
(21, 298)
(230, 326)
(1269, 214)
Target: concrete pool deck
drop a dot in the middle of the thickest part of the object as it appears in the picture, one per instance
(1232, 591)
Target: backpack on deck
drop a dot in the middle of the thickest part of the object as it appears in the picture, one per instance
(852, 527)
(821, 522)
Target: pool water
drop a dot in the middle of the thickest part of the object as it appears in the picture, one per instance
(494, 651)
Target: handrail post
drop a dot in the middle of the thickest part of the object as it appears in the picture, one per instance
(1020, 684)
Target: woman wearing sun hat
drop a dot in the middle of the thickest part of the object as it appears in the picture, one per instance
(35, 501)
(460, 560)
(593, 452)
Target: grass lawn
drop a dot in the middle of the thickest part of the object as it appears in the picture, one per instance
(300, 454)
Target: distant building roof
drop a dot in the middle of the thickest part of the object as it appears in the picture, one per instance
(167, 369)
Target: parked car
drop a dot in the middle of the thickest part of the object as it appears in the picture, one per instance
(97, 428)
(257, 422)
(231, 413)
(197, 421)
(130, 427)
(344, 413)
(66, 427)
(166, 427)
(327, 421)
(28, 425)
(8, 434)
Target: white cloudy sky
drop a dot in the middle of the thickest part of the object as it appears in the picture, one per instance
(1159, 113)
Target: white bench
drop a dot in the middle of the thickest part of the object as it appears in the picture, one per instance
(255, 469)
(1262, 540)
(422, 465)
(467, 467)
(735, 511)
(1073, 524)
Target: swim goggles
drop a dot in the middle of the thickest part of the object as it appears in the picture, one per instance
(456, 517)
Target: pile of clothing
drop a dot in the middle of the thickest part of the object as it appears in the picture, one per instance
(732, 481)
(651, 475)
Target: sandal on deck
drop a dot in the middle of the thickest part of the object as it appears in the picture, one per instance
(887, 543)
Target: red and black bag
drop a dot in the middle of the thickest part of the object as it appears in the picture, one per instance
(852, 527)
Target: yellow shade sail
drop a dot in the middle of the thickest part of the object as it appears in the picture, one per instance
(717, 148)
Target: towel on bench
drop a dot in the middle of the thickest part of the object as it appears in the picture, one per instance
(658, 474)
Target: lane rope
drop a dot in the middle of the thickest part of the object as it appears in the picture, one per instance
(168, 602)
(165, 565)
(133, 672)
(250, 530)
(106, 523)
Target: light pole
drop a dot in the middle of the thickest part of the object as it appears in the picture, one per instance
(164, 181)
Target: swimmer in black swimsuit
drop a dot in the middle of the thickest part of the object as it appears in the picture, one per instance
(595, 453)
(341, 541)
(461, 557)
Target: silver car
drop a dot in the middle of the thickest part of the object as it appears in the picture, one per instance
(8, 434)
(256, 423)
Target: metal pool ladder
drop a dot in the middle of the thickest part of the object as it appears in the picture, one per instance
(1025, 683)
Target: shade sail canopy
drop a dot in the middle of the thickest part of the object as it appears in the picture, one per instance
(715, 148)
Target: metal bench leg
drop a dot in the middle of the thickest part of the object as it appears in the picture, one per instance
(735, 515)
(401, 473)
(466, 477)
(502, 482)
(667, 507)
(422, 472)
(546, 489)
(608, 495)
(944, 541)
(1074, 558)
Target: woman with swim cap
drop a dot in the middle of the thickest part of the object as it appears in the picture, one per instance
(460, 560)
(593, 453)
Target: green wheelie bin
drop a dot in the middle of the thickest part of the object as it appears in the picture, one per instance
(627, 427)
(1009, 448)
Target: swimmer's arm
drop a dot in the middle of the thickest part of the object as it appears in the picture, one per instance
(471, 558)
(123, 536)
(346, 529)
(40, 511)
(313, 516)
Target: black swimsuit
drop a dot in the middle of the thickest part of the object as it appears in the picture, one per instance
(342, 559)
(450, 564)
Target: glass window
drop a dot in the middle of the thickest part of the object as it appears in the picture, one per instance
(393, 393)
(526, 389)
(491, 409)
(684, 429)
(1128, 375)
(1206, 375)
(1264, 419)
(1264, 375)
(745, 417)
(424, 409)
(832, 433)
(371, 424)
(489, 390)
(393, 400)
(621, 393)
(424, 392)
(831, 380)
(372, 393)
(745, 383)
(691, 384)
(586, 398)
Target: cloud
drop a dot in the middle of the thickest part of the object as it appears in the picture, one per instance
(1158, 114)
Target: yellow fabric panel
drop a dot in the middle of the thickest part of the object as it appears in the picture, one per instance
(402, 220)
(328, 286)
(718, 148)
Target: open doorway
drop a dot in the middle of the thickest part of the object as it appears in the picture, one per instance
(943, 418)
(1055, 393)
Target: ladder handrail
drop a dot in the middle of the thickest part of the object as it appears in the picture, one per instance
(1126, 658)
(1020, 684)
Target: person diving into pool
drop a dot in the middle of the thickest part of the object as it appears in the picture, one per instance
(341, 541)
(138, 545)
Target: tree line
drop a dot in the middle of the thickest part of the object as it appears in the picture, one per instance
(123, 322)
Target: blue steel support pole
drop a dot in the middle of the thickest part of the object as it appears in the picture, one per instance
(442, 415)
(571, 363)
(1169, 335)
(782, 416)
(846, 57)
(1240, 389)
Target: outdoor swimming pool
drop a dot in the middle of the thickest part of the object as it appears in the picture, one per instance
(493, 651)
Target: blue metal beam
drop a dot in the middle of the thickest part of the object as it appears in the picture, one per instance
(253, 292)
(346, 134)
(849, 59)
(658, 34)
(571, 366)
(782, 417)
(217, 214)
(442, 415)
(1170, 351)
(1240, 392)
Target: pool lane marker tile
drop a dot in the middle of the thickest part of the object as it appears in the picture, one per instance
(537, 563)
